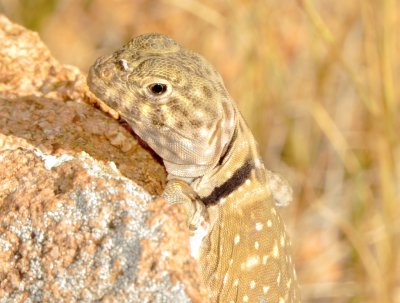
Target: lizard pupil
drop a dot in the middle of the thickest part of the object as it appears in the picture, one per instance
(158, 88)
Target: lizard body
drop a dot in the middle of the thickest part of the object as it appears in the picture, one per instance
(177, 103)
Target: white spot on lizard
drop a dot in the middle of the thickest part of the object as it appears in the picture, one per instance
(250, 262)
(196, 240)
(275, 250)
(236, 240)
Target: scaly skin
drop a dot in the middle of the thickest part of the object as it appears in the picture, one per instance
(177, 103)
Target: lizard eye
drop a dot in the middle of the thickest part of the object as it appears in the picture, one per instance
(158, 89)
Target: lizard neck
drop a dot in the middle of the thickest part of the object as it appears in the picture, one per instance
(240, 162)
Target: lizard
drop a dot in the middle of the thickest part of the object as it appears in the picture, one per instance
(177, 103)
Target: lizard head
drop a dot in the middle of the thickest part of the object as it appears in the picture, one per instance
(172, 98)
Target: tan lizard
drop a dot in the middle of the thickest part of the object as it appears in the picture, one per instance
(177, 103)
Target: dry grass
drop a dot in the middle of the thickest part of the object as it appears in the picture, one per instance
(317, 82)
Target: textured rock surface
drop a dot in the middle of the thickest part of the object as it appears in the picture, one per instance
(77, 219)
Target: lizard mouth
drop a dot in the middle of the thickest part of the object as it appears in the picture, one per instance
(98, 103)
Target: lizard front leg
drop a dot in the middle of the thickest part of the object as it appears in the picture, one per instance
(197, 218)
(180, 192)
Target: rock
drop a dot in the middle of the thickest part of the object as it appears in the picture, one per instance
(78, 219)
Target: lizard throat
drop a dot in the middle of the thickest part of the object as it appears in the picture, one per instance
(228, 148)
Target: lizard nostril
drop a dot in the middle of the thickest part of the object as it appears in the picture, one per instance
(105, 72)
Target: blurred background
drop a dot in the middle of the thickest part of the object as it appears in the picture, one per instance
(317, 82)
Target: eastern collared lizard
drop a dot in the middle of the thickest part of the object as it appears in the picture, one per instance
(177, 103)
